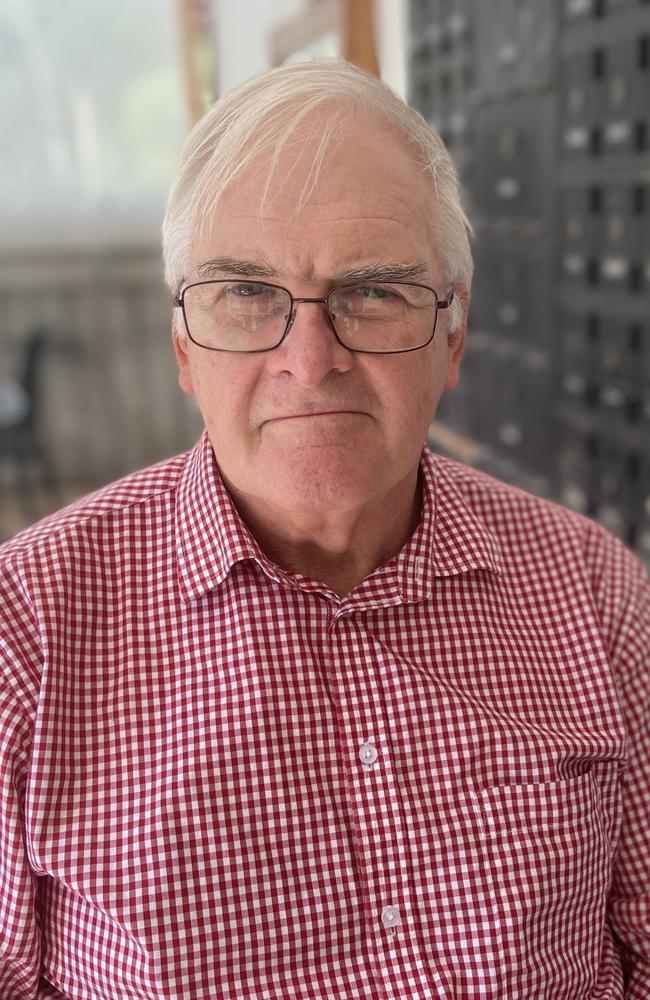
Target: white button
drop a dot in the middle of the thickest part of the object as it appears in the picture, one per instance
(390, 916)
(368, 753)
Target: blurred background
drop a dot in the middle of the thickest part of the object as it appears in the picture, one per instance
(545, 107)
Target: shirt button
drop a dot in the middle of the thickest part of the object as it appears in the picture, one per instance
(390, 916)
(368, 753)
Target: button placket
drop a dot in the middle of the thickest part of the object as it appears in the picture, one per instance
(376, 794)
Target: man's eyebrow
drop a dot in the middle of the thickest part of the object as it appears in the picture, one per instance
(259, 269)
(384, 272)
(232, 265)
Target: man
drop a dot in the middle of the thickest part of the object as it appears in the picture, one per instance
(309, 711)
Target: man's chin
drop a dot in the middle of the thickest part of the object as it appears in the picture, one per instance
(321, 479)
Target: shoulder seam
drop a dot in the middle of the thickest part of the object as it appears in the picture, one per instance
(31, 546)
(468, 477)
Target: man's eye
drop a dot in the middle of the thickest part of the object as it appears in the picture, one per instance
(245, 289)
(372, 292)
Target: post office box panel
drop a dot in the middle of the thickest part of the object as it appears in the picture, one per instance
(439, 89)
(422, 90)
(575, 469)
(462, 82)
(621, 235)
(637, 354)
(422, 14)
(577, 354)
(640, 358)
(610, 8)
(577, 11)
(482, 296)
(489, 375)
(644, 414)
(578, 217)
(616, 483)
(443, 94)
(515, 44)
(641, 512)
(459, 407)
(460, 27)
(437, 26)
(539, 442)
(512, 289)
(625, 371)
(457, 129)
(579, 101)
(423, 59)
(508, 396)
(449, 25)
(477, 384)
(620, 375)
(521, 401)
(499, 287)
(640, 210)
(625, 91)
(514, 149)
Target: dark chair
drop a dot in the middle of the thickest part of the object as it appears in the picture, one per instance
(21, 444)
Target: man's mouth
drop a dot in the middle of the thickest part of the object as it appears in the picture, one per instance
(317, 413)
(313, 413)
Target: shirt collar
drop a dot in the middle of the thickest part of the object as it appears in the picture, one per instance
(451, 538)
(211, 536)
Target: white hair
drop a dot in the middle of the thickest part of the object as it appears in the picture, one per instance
(263, 115)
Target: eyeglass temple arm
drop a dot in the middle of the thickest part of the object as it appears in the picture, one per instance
(445, 303)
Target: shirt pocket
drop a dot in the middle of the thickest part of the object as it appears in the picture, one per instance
(548, 861)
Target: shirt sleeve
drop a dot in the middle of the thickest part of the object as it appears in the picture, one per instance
(623, 594)
(19, 922)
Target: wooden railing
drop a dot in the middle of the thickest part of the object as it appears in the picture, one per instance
(108, 399)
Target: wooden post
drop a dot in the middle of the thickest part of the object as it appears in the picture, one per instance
(189, 30)
(359, 44)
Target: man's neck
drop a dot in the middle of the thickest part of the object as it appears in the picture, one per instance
(339, 549)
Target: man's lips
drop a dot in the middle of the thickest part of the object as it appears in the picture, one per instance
(315, 413)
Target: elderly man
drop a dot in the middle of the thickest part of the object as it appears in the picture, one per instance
(309, 711)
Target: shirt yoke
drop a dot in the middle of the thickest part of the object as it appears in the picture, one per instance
(134, 488)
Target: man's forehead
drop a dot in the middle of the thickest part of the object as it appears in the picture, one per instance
(345, 219)
(302, 171)
(362, 206)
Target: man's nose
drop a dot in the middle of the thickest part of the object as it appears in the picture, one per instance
(310, 350)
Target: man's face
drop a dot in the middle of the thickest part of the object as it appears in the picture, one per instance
(311, 426)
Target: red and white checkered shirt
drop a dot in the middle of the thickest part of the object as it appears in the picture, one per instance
(218, 779)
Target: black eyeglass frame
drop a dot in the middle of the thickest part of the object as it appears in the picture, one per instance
(180, 303)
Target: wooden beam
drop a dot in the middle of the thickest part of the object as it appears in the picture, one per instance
(359, 42)
(190, 32)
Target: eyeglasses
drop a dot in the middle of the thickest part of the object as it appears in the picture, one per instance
(249, 317)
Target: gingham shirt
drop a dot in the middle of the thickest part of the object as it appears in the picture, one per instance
(218, 779)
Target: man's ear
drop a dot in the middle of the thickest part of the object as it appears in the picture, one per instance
(181, 343)
(457, 339)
